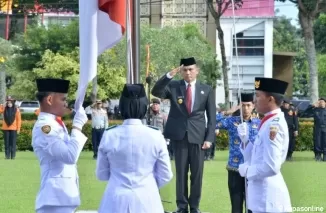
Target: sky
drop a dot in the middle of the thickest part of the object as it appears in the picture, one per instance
(289, 10)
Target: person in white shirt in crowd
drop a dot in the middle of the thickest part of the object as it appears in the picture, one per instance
(100, 122)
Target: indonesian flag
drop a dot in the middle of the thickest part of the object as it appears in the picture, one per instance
(102, 24)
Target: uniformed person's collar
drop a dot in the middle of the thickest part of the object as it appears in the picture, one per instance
(192, 83)
(278, 110)
(132, 122)
(249, 120)
(45, 114)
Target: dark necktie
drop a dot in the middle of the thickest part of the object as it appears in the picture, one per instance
(189, 98)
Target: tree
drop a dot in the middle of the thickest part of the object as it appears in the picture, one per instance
(38, 39)
(42, 50)
(308, 12)
(288, 38)
(217, 9)
(167, 46)
(322, 74)
(66, 66)
(320, 33)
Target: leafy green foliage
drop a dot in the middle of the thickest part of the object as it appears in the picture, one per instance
(322, 74)
(54, 52)
(304, 142)
(168, 45)
(320, 33)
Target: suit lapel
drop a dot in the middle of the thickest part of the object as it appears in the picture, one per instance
(183, 88)
(197, 97)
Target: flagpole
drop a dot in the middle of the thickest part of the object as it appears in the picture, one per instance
(135, 40)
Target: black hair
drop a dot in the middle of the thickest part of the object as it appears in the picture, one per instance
(278, 97)
(41, 95)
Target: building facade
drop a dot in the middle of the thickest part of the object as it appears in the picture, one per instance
(253, 34)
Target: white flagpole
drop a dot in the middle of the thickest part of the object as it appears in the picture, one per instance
(239, 87)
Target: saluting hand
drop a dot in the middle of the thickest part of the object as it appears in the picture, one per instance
(175, 71)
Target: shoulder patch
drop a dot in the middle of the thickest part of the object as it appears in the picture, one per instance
(46, 129)
(273, 129)
(153, 127)
(276, 119)
(111, 127)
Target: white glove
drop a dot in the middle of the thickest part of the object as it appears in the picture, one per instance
(243, 169)
(243, 132)
(80, 118)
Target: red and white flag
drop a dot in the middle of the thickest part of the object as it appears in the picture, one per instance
(102, 24)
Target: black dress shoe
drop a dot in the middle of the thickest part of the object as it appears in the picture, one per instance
(195, 211)
(179, 210)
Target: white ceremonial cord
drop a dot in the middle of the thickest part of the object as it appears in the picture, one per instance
(239, 88)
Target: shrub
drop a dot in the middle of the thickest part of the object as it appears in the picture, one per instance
(304, 142)
(24, 139)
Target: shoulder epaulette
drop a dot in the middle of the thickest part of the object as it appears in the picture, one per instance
(153, 127)
(111, 127)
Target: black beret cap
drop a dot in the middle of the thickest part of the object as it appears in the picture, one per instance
(271, 85)
(187, 61)
(52, 85)
(134, 91)
(247, 97)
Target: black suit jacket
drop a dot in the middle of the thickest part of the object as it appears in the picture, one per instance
(179, 121)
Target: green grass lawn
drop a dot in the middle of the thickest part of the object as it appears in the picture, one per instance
(19, 183)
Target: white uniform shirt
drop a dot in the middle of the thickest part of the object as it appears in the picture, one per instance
(267, 191)
(134, 159)
(57, 153)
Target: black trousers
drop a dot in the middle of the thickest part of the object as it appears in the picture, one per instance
(170, 149)
(188, 155)
(96, 139)
(319, 141)
(291, 143)
(237, 192)
(10, 138)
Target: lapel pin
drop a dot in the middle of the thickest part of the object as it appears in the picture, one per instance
(180, 101)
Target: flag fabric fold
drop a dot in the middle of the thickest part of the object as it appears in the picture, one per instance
(102, 24)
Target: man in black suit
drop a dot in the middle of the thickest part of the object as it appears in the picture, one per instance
(187, 129)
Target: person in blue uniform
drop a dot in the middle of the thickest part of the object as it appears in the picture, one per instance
(133, 158)
(56, 150)
(236, 183)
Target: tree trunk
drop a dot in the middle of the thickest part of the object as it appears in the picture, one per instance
(2, 84)
(224, 62)
(307, 23)
(94, 90)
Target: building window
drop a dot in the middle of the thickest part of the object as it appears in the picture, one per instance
(249, 45)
